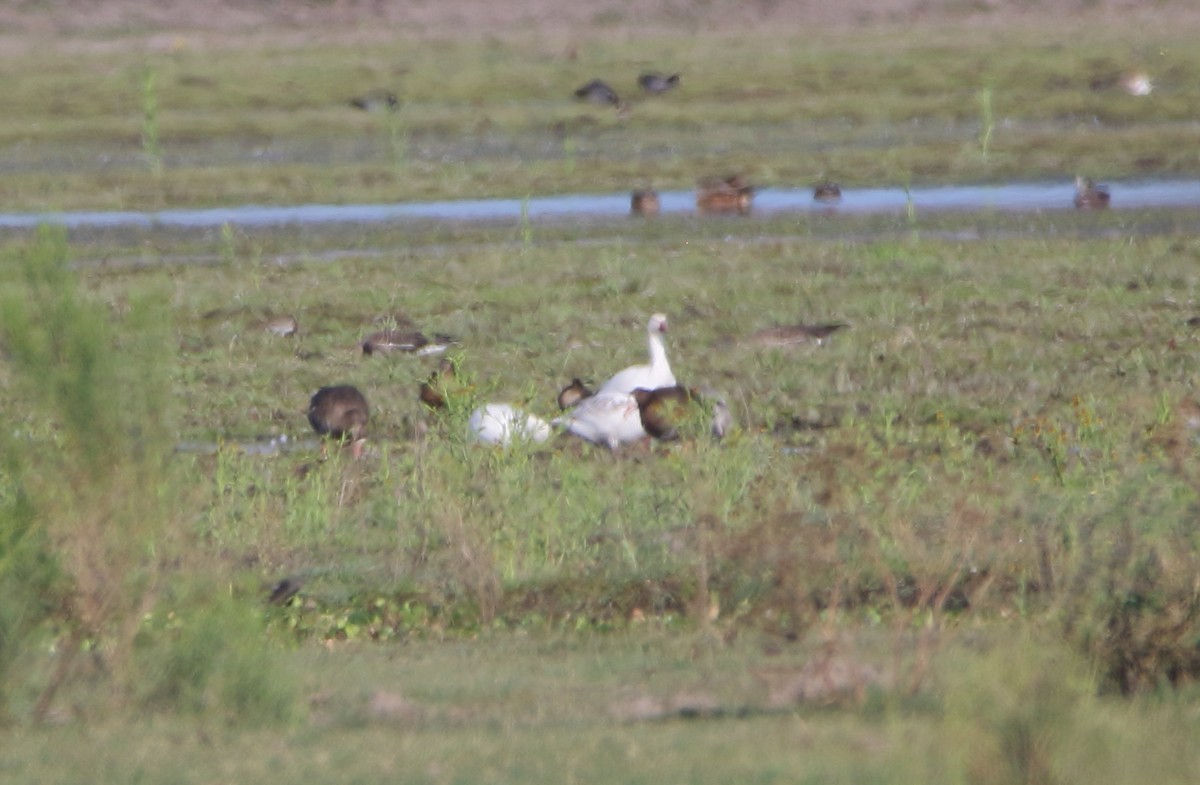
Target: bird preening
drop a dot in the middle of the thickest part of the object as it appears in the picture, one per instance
(341, 413)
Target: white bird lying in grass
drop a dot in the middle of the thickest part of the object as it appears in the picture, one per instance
(607, 418)
(502, 423)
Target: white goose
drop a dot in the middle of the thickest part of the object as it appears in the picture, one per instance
(607, 418)
(502, 423)
(648, 377)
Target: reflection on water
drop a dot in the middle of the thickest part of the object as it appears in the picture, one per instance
(1011, 197)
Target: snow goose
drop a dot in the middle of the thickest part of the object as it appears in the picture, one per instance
(340, 413)
(607, 418)
(502, 423)
(650, 377)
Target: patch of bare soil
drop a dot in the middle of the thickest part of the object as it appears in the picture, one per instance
(155, 24)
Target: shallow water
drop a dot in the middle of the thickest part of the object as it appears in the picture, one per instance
(1014, 197)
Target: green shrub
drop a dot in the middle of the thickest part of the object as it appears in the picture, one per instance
(93, 505)
(202, 655)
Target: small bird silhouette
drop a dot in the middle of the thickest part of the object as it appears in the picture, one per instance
(597, 92)
(376, 103)
(658, 83)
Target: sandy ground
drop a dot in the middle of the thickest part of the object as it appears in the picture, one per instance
(158, 23)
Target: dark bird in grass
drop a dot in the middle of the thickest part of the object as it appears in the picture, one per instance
(827, 191)
(665, 409)
(1089, 196)
(433, 389)
(658, 83)
(644, 202)
(715, 195)
(284, 590)
(797, 334)
(340, 413)
(597, 92)
(376, 103)
(410, 342)
(573, 393)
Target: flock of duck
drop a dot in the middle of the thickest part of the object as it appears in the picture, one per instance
(733, 194)
(636, 404)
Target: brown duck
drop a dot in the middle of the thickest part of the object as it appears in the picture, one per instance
(794, 335)
(340, 413)
(573, 393)
(644, 202)
(732, 194)
(827, 191)
(1089, 196)
(283, 326)
(433, 389)
(409, 342)
(665, 409)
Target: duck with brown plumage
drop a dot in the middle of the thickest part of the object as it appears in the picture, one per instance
(341, 413)
(573, 393)
(716, 196)
(796, 334)
(406, 342)
(665, 410)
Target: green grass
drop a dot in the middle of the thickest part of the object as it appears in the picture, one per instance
(955, 544)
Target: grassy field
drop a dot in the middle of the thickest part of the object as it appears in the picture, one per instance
(260, 119)
(954, 544)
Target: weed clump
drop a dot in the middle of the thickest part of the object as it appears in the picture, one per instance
(92, 515)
